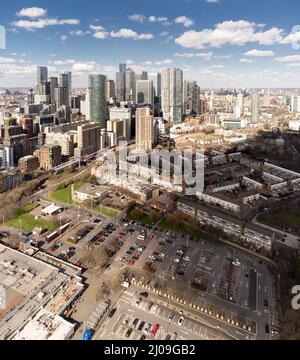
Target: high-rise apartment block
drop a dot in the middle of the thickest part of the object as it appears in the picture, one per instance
(97, 99)
(144, 129)
(172, 95)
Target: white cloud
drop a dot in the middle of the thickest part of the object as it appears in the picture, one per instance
(247, 61)
(229, 56)
(42, 23)
(158, 63)
(137, 17)
(269, 37)
(206, 56)
(32, 12)
(293, 65)
(184, 20)
(164, 33)
(229, 32)
(157, 19)
(83, 67)
(5, 60)
(77, 33)
(291, 38)
(62, 62)
(289, 58)
(217, 66)
(259, 53)
(97, 27)
(101, 35)
(163, 62)
(212, 1)
(130, 34)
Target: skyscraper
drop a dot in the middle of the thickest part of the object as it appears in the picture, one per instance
(295, 103)
(172, 95)
(42, 74)
(191, 98)
(254, 109)
(61, 96)
(239, 108)
(111, 90)
(53, 86)
(158, 85)
(97, 92)
(144, 92)
(130, 85)
(144, 129)
(121, 83)
(65, 80)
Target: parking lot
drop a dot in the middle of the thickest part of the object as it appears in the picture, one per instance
(228, 279)
(230, 283)
(139, 318)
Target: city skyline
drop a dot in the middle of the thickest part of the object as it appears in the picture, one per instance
(214, 42)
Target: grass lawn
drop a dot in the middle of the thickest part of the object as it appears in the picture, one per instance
(144, 219)
(64, 194)
(291, 219)
(182, 229)
(27, 222)
(107, 211)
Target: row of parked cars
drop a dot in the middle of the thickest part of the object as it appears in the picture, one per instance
(82, 233)
(147, 329)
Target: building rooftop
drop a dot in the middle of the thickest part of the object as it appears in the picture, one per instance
(51, 209)
(31, 285)
(45, 326)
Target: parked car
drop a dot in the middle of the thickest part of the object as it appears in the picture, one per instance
(135, 322)
(171, 317)
(154, 330)
(180, 321)
(147, 329)
(140, 328)
(128, 333)
(112, 313)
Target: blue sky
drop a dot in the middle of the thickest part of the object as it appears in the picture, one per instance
(219, 43)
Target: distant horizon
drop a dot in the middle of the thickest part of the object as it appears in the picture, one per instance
(216, 43)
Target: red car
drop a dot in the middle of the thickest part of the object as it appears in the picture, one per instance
(154, 330)
(130, 262)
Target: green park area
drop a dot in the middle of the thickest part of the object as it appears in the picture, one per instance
(63, 194)
(27, 222)
(110, 212)
(281, 219)
(136, 215)
(169, 223)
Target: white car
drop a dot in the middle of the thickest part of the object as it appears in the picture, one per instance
(154, 309)
(186, 258)
(176, 260)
